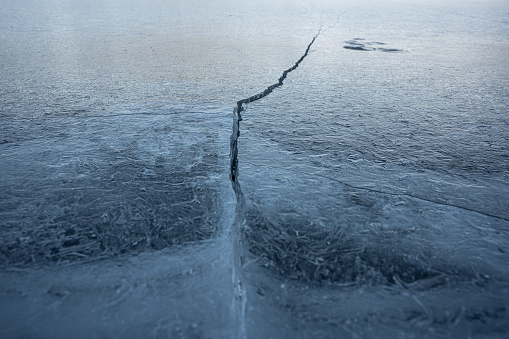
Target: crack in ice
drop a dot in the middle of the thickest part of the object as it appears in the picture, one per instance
(240, 107)
(239, 304)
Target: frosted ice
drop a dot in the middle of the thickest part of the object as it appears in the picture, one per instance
(372, 192)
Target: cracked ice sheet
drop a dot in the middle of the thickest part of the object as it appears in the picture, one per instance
(331, 260)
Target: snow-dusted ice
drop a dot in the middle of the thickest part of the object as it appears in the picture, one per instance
(371, 189)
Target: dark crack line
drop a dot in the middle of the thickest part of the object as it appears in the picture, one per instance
(240, 301)
(240, 107)
(269, 89)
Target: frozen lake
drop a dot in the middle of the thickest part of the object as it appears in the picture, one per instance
(370, 196)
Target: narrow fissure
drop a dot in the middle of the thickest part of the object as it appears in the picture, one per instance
(239, 304)
(241, 107)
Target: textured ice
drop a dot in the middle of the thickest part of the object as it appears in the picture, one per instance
(370, 196)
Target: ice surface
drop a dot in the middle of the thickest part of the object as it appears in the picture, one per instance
(372, 190)
(106, 186)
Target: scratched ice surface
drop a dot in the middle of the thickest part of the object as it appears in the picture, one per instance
(372, 192)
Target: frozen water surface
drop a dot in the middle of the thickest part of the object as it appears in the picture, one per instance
(372, 192)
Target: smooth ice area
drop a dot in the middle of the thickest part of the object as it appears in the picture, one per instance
(371, 189)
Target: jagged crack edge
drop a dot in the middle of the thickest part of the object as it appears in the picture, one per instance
(240, 107)
(240, 302)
